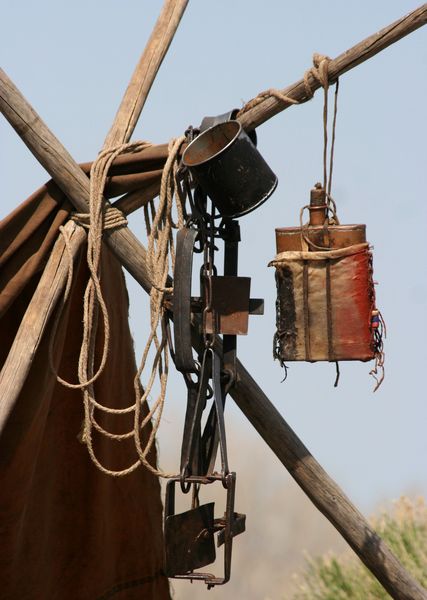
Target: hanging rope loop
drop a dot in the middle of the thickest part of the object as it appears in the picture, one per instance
(320, 72)
(159, 222)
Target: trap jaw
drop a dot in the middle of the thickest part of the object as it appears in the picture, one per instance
(224, 307)
(190, 536)
(221, 164)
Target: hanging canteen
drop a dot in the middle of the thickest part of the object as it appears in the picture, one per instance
(325, 291)
(229, 168)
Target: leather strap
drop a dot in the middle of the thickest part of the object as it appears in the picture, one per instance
(185, 240)
(331, 354)
(305, 281)
(196, 402)
(214, 432)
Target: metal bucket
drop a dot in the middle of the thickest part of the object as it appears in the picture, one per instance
(230, 169)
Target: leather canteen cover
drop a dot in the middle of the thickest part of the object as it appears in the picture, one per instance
(324, 305)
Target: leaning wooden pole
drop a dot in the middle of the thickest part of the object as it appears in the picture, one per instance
(145, 72)
(326, 495)
(53, 281)
(338, 66)
(50, 290)
(323, 491)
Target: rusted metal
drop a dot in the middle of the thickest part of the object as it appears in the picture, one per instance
(340, 236)
(229, 310)
(256, 305)
(184, 360)
(230, 169)
(190, 536)
(319, 231)
(189, 540)
(224, 305)
(198, 394)
(318, 207)
(231, 236)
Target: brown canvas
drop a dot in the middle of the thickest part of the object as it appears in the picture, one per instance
(67, 530)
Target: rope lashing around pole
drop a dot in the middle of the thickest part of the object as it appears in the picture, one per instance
(160, 250)
(113, 218)
(319, 71)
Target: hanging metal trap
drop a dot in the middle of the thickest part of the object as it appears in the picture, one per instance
(190, 535)
(223, 177)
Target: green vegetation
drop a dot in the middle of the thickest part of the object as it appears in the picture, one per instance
(346, 578)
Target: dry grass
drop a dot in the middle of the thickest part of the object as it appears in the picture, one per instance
(344, 577)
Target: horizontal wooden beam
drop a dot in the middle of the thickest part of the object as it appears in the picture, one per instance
(338, 66)
(134, 200)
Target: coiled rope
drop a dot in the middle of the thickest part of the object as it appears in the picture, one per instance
(159, 225)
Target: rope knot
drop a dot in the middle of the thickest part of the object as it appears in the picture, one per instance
(112, 218)
(319, 71)
(319, 58)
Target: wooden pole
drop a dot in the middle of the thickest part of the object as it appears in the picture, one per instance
(322, 490)
(279, 436)
(326, 495)
(59, 163)
(145, 72)
(37, 315)
(19, 360)
(134, 200)
(67, 174)
(337, 67)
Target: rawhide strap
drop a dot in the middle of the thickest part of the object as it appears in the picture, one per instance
(185, 240)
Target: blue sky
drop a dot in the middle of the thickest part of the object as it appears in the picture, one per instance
(73, 61)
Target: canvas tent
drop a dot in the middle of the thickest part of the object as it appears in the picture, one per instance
(105, 545)
(68, 531)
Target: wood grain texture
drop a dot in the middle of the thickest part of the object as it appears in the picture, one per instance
(145, 72)
(49, 290)
(151, 158)
(337, 67)
(134, 200)
(321, 489)
(67, 174)
(75, 184)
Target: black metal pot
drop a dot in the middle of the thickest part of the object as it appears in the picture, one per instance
(230, 169)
